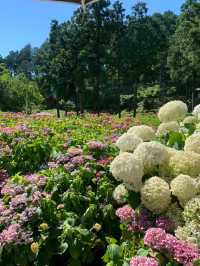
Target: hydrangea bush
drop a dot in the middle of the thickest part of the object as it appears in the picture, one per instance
(160, 224)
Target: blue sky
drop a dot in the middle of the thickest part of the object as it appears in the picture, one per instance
(28, 21)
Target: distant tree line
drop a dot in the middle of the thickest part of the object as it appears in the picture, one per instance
(105, 60)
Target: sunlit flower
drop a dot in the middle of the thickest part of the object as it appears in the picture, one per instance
(167, 127)
(192, 143)
(172, 111)
(128, 142)
(153, 155)
(156, 195)
(186, 163)
(128, 169)
(184, 188)
(144, 132)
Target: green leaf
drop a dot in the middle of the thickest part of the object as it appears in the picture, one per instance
(197, 263)
(176, 140)
(111, 240)
(114, 252)
(63, 248)
(143, 252)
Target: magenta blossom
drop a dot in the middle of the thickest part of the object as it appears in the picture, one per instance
(155, 238)
(181, 251)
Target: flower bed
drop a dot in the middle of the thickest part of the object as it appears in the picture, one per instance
(100, 190)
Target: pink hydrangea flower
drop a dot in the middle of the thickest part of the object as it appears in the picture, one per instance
(155, 238)
(126, 214)
(181, 251)
(143, 261)
(96, 145)
(185, 253)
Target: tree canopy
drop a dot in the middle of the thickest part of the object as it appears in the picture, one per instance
(102, 54)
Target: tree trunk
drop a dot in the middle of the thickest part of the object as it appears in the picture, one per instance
(58, 111)
(119, 90)
(81, 107)
(135, 101)
(76, 103)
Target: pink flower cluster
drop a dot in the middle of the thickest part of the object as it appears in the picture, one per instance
(143, 261)
(137, 222)
(126, 214)
(7, 130)
(182, 252)
(96, 145)
(12, 189)
(39, 180)
(143, 220)
(14, 233)
(104, 161)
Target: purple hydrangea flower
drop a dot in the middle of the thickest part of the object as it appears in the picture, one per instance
(165, 223)
(12, 190)
(142, 221)
(28, 214)
(19, 202)
(77, 161)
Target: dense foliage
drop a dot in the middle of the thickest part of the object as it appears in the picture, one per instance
(94, 60)
(56, 204)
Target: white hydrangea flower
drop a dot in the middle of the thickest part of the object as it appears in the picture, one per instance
(172, 151)
(172, 111)
(144, 132)
(186, 163)
(128, 169)
(128, 142)
(156, 195)
(191, 210)
(153, 155)
(189, 233)
(120, 194)
(198, 184)
(192, 143)
(164, 169)
(196, 111)
(184, 188)
(190, 120)
(167, 127)
(175, 213)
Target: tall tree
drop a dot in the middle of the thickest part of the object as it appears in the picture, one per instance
(139, 48)
(116, 51)
(184, 53)
(21, 61)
